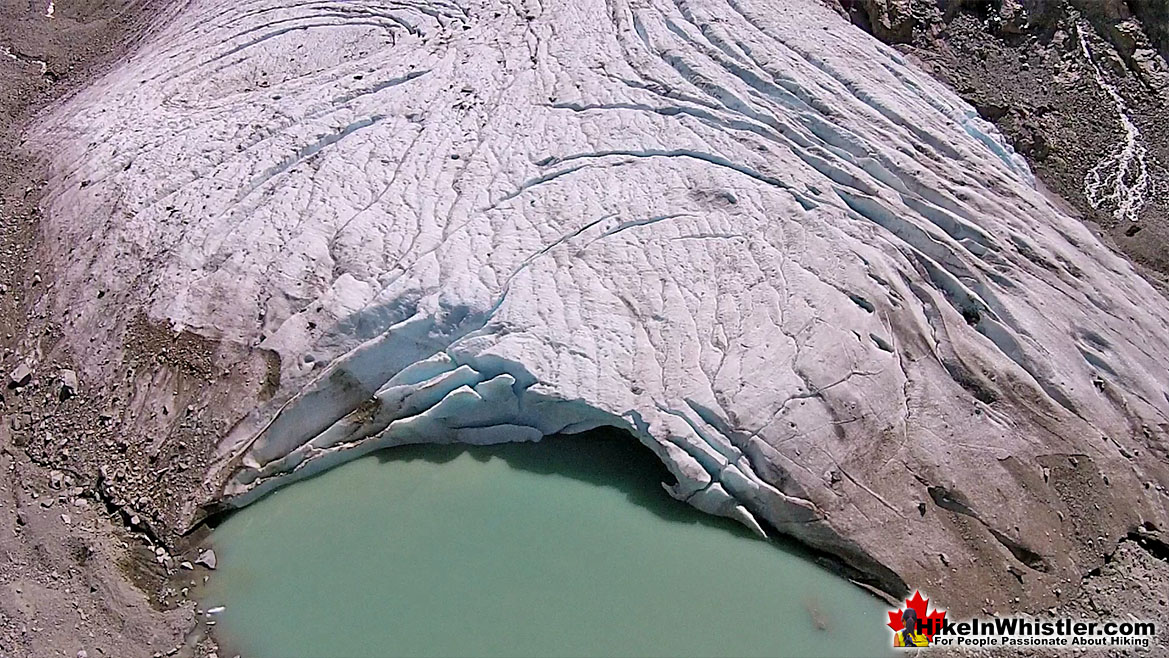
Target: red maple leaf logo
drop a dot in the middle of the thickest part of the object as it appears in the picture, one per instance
(930, 623)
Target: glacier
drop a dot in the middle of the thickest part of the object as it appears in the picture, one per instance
(828, 297)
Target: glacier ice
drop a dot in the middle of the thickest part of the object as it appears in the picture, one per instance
(795, 267)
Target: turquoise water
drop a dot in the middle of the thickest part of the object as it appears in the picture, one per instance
(568, 547)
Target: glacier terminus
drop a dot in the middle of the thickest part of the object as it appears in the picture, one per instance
(829, 298)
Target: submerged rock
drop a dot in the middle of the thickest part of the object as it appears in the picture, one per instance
(803, 273)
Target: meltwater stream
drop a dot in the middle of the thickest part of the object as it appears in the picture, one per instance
(569, 547)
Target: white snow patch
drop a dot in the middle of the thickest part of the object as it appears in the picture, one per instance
(17, 58)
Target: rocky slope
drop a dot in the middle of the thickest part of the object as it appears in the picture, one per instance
(1077, 86)
(804, 273)
(70, 565)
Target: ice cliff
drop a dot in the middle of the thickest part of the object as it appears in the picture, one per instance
(804, 274)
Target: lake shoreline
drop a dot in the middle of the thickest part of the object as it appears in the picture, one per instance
(558, 495)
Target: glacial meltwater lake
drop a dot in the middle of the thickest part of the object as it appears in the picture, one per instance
(568, 547)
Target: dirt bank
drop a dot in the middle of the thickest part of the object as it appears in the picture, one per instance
(74, 580)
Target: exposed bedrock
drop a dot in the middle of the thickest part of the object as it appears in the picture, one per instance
(807, 276)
